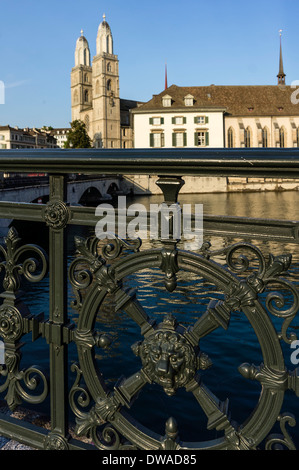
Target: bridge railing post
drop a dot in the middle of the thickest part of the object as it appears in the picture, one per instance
(56, 217)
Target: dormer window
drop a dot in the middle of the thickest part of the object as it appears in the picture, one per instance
(166, 101)
(189, 100)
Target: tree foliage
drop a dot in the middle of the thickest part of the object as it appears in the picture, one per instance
(78, 136)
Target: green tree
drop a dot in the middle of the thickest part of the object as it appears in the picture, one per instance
(77, 136)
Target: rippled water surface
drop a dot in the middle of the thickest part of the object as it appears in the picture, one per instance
(227, 349)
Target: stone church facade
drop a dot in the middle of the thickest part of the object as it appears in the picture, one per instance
(95, 93)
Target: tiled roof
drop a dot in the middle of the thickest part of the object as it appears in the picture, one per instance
(263, 100)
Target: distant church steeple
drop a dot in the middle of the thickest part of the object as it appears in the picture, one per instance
(82, 52)
(281, 75)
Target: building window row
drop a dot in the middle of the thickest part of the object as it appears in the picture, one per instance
(263, 139)
(158, 121)
(179, 139)
(279, 137)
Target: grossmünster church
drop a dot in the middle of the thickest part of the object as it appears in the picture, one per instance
(199, 116)
(95, 92)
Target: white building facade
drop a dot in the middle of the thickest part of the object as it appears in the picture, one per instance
(198, 127)
(218, 117)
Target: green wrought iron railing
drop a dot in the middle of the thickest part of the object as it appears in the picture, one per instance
(170, 353)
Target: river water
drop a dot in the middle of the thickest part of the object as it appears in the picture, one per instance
(227, 349)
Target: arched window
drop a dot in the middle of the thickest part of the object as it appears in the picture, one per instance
(282, 137)
(108, 67)
(230, 138)
(86, 122)
(85, 78)
(265, 137)
(109, 85)
(86, 96)
(247, 137)
(97, 87)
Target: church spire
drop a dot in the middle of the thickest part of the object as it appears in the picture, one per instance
(166, 84)
(281, 75)
(104, 38)
(82, 52)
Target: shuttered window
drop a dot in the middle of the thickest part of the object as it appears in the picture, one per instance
(157, 139)
(156, 121)
(201, 119)
(179, 139)
(201, 139)
(179, 120)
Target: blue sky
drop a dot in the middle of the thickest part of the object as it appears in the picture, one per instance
(225, 42)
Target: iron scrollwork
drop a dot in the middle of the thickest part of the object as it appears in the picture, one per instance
(11, 253)
(170, 353)
(17, 261)
(284, 440)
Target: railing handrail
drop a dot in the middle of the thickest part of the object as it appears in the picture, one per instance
(254, 162)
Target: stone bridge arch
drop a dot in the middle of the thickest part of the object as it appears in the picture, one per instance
(75, 190)
(104, 186)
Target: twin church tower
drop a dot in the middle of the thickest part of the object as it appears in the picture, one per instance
(95, 92)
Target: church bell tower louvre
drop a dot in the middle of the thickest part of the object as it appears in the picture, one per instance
(95, 89)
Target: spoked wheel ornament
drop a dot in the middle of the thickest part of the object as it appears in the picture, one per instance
(170, 354)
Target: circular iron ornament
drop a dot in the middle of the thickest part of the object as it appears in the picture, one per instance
(109, 406)
(11, 323)
(56, 215)
(55, 442)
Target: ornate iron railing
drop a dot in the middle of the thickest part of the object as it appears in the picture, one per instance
(169, 353)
